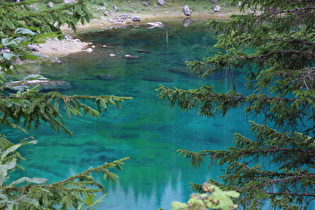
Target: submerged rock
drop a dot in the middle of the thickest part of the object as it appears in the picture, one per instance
(108, 46)
(155, 78)
(108, 77)
(131, 56)
(155, 25)
(181, 71)
(142, 51)
(44, 85)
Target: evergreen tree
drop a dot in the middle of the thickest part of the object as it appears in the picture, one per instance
(21, 26)
(272, 47)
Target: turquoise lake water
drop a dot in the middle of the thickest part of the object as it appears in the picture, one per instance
(146, 129)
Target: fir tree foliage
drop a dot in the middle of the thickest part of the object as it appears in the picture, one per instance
(21, 26)
(26, 109)
(22, 15)
(272, 48)
(78, 191)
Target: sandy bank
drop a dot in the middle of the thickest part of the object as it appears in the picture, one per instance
(57, 48)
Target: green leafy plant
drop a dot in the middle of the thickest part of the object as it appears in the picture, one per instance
(211, 197)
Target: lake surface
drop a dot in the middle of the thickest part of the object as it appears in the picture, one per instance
(146, 129)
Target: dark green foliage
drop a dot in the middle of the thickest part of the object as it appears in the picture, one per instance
(211, 198)
(33, 107)
(35, 193)
(21, 15)
(21, 26)
(273, 49)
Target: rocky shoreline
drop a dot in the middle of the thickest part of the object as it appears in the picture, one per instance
(58, 48)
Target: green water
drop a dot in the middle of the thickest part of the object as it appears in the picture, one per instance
(146, 129)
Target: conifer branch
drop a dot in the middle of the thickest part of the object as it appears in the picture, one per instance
(289, 179)
(309, 10)
(290, 193)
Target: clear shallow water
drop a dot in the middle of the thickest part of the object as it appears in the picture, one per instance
(146, 129)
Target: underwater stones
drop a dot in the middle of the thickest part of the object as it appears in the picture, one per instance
(108, 77)
(131, 56)
(112, 55)
(155, 78)
(89, 50)
(217, 124)
(186, 10)
(108, 46)
(181, 71)
(154, 25)
(142, 51)
(44, 85)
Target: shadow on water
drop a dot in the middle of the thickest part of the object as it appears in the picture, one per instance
(146, 129)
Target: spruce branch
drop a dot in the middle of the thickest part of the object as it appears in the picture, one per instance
(290, 193)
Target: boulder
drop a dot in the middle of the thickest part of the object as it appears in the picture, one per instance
(116, 8)
(50, 5)
(161, 2)
(125, 16)
(35, 9)
(186, 10)
(155, 25)
(33, 47)
(69, 1)
(214, 1)
(136, 19)
(216, 8)
(145, 4)
(44, 85)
